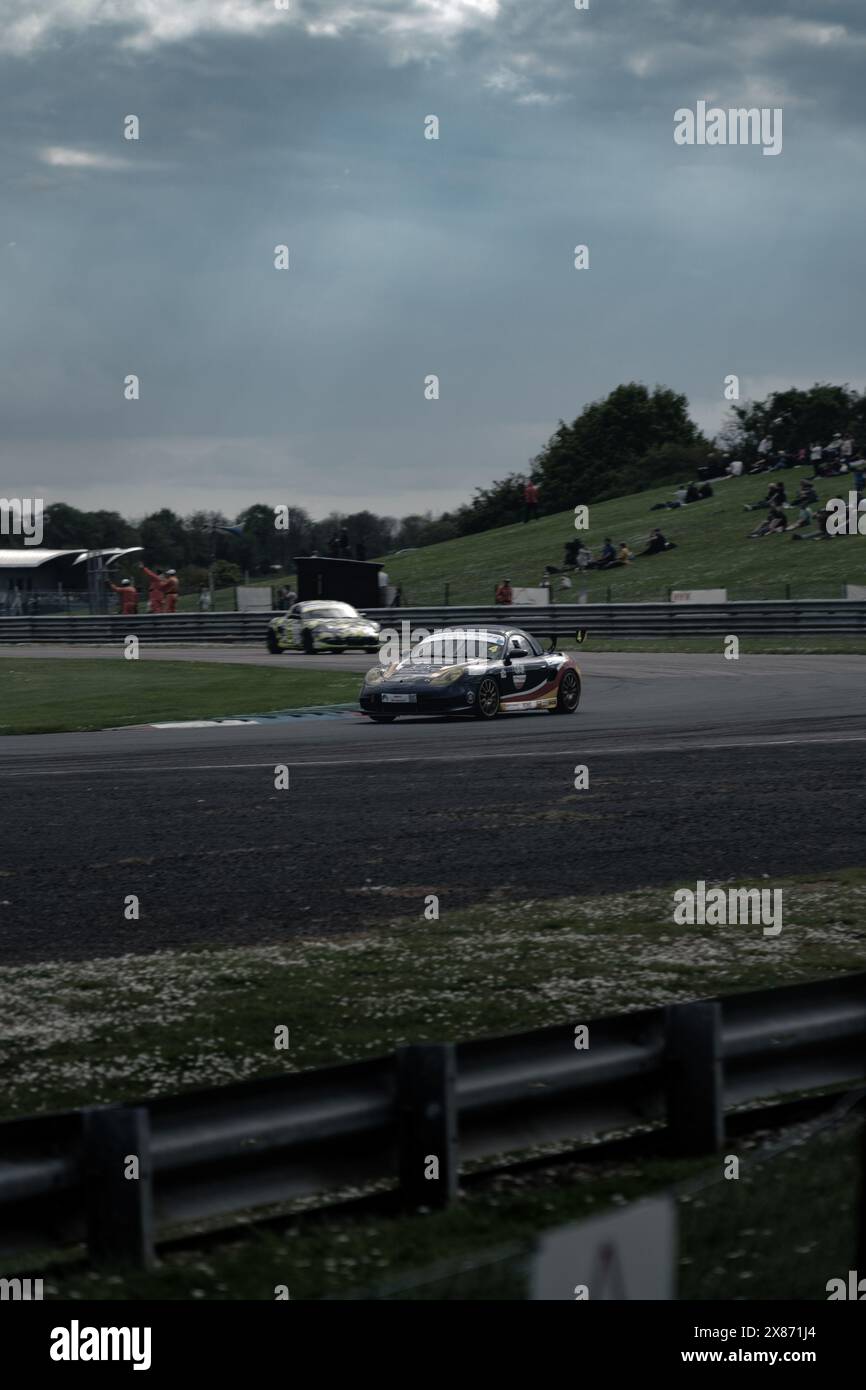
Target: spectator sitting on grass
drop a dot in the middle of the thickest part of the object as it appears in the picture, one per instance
(805, 517)
(806, 493)
(776, 521)
(821, 533)
(776, 497)
(607, 560)
(624, 555)
(657, 543)
(678, 501)
(504, 592)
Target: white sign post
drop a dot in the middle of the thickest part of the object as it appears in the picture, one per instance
(627, 1254)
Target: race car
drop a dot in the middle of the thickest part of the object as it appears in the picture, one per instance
(480, 671)
(322, 624)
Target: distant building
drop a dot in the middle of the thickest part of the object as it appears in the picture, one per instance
(32, 575)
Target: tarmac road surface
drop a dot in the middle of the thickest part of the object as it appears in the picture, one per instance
(698, 767)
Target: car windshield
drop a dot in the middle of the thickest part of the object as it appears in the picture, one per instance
(329, 610)
(451, 648)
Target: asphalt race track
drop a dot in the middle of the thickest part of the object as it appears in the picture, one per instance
(699, 768)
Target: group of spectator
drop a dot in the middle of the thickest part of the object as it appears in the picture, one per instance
(827, 460)
(579, 556)
(685, 494)
(806, 501)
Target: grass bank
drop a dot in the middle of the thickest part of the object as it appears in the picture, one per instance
(712, 551)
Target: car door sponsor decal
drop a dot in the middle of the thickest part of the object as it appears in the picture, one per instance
(518, 671)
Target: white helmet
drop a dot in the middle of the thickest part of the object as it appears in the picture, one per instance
(171, 571)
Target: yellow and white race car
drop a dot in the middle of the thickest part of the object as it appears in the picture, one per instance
(322, 625)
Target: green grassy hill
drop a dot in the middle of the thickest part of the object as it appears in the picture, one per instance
(712, 552)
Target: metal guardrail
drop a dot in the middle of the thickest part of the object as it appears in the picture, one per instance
(208, 1153)
(612, 620)
(603, 620)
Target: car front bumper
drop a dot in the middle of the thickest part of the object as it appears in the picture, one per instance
(421, 700)
(333, 639)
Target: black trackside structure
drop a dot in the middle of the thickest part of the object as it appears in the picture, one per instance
(351, 581)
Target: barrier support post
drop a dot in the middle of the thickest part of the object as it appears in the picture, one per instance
(427, 1124)
(118, 1186)
(693, 1077)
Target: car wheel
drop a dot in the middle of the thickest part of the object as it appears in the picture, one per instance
(487, 699)
(272, 644)
(568, 694)
(307, 642)
(371, 651)
(382, 718)
(338, 651)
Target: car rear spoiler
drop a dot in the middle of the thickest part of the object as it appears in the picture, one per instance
(579, 637)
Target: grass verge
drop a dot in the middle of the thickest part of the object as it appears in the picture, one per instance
(75, 695)
(102, 1030)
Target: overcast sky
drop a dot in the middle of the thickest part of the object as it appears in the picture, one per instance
(305, 126)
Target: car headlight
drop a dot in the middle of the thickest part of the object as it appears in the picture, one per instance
(375, 676)
(448, 676)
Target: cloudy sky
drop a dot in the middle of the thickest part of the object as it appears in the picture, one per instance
(304, 125)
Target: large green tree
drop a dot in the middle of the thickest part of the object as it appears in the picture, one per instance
(164, 539)
(631, 439)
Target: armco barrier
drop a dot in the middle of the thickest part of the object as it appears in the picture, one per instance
(806, 617)
(209, 1153)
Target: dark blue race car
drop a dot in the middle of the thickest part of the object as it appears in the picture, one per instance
(479, 671)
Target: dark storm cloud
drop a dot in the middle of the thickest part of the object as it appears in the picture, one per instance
(408, 256)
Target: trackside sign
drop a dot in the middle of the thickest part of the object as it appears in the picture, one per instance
(699, 596)
(627, 1255)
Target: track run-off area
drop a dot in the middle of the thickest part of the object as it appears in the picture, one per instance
(698, 767)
